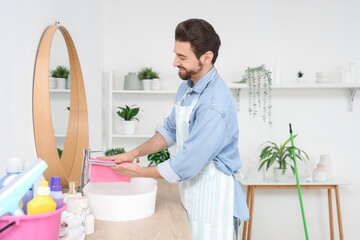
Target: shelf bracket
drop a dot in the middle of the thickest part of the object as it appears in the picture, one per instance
(351, 97)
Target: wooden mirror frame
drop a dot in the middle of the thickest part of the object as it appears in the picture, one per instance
(77, 136)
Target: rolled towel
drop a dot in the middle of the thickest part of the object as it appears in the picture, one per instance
(64, 232)
(69, 220)
(73, 234)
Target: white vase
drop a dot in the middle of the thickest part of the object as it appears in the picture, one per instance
(129, 127)
(146, 83)
(61, 83)
(155, 84)
(279, 176)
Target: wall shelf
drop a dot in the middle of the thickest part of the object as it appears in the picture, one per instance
(352, 87)
(143, 92)
(59, 90)
(112, 97)
(132, 136)
(60, 135)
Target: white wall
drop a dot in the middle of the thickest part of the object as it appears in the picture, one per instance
(23, 23)
(310, 36)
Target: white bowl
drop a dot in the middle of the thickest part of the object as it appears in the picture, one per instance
(121, 201)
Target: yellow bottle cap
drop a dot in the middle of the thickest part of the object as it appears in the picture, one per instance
(44, 183)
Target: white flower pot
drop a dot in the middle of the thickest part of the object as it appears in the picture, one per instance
(52, 83)
(146, 83)
(279, 177)
(155, 84)
(61, 83)
(68, 82)
(129, 127)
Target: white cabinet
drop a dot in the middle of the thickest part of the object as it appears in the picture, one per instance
(154, 107)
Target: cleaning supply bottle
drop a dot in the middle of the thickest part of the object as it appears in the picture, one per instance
(55, 191)
(42, 203)
(72, 191)
(29, 195)
(14, 166)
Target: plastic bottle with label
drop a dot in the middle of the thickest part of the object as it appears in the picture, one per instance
(55, 191)
(42, 203)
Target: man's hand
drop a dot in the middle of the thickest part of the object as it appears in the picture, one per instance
(130, 170)
(124, 157)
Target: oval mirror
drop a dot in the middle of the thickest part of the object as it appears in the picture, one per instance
(77, 133)
(59, 87)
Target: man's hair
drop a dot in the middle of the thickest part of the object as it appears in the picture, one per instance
(201, 35)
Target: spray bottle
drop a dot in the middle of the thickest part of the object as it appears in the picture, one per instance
(42, 203)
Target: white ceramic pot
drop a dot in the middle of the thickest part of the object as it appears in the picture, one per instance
(300, 80)
(146, 83)
(279, 176)
(129, 127)
(61, 83)
(155, 84)
(52, 83)
(68, 82)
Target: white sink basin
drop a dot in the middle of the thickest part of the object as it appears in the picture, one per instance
(121, 201)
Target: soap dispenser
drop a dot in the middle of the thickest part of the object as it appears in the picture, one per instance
(72, 191)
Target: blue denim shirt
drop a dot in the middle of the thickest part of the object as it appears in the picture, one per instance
(213, 135)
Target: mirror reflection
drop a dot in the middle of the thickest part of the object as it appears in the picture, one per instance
(59, 87)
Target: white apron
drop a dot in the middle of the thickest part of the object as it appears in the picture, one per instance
(209, 196)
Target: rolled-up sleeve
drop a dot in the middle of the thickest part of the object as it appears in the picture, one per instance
(207, 138)
(168, 131)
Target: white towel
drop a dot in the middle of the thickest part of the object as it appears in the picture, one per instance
(73, 234)
(69, 220)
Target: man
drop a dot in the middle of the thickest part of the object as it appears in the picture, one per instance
(204, 125)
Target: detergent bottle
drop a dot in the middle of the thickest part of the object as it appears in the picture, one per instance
(55, 191)
(42, 203)
(14, 166)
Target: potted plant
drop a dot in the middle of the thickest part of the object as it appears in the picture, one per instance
(158, 157)
(281, 154)
(259, 82)
(114, 151)
(300, 77)
(61, 73)
(146, 75)
(60, 151)
(128, 114)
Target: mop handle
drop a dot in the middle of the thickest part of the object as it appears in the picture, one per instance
(298, 183)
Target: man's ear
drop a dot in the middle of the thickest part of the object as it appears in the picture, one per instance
(208, 57)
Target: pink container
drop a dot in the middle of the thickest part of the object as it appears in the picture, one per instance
(44, 226)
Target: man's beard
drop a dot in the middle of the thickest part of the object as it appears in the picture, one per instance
(189, 73)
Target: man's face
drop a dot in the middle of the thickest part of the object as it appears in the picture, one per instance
(186, 60)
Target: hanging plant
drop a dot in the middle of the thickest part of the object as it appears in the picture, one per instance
(259, 82)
